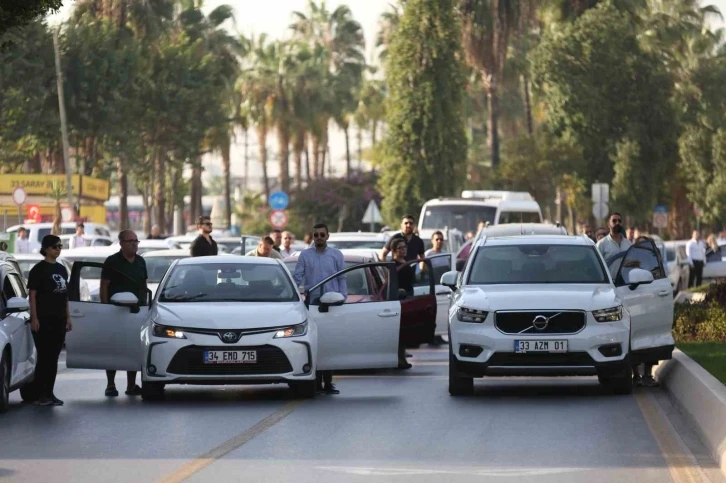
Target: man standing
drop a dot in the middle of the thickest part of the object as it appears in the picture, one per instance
(437, 245)
(614, 242)
(586, 229)
(78, 240)
(155, 233)
(286, 250)
(315, 265)
(124, 271)
(276, 236)
(414, 245)
(22, 244)
(697, 258)
(264, 249)
(204, 245)
(630, 234)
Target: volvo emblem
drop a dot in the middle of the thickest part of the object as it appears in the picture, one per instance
(540, 322)
(229, 337)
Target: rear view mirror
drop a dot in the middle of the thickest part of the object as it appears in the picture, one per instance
(638, 276)
(330, 299)
(449, 279)
(17, 304)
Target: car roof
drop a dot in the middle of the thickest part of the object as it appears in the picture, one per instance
(227, 259)
(177, 252)
(357, 235)
(28, 256)
(511, 229)
(537, 240)
(347, 257)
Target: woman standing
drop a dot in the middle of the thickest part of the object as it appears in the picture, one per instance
(49, 317)
(405, 282)
(713, 251)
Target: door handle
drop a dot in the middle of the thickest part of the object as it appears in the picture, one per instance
(77, 315)
(448, 292)
(664, 293)
(388, 314)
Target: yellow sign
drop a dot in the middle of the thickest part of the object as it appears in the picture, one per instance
(94, 188)
(41, 184)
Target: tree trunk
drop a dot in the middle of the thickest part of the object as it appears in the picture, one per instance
(175, 180)
(247, 164)
(145, 198)
(527, 104)
(196, 201)
(298, 147)
(347, 152)
(34, 164)
(492, 125)
(374, 133)
(316, 158)
(193, 210)
(123, 196)
(226, 167)
(262, 140)
(307, 163)
(160, 189)
(359, 140)
(283, 176)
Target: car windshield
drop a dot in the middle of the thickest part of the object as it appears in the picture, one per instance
(353, 244)
(464, 218)
(89, 273)
(670, 254)
(536, 264)
(519, 217)
(355, 279)
(228, 282)
(26, 265)
(156, 267)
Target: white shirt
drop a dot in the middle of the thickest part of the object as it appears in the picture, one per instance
(22, 245)
(77, 242)
(696, 251)
(609, 247)
(287, 253)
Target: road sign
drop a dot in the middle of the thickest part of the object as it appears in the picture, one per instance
(278, 200)
(372, 214)
(33, 213)
(660, 220)
(600, 210)
(600, 193)
(278, 219)
(66, 214)
(19, 195)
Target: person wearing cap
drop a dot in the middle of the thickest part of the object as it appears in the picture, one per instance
(78, 240)
(49, 317)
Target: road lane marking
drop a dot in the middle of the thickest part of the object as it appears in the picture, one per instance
(492, 472)
(198, 464)
(682, 465)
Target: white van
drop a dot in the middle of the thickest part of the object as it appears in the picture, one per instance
(465, 213)
(36, 231)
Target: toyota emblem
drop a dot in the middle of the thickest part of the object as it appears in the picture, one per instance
(229, 337)
(540, 322)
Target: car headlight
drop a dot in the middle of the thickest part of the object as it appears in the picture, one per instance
(471, 315)
(167, 332)
(292, 331)
(613, 314)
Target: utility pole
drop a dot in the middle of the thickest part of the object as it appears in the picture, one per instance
(64, 126)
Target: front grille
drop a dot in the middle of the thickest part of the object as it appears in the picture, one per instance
(559, 360)
(524, 322)
(190, 360)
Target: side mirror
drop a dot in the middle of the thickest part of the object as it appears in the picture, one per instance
(460, 264)
(638, 276)
(17, 304)
(449, 279)
(330, 299)
(126, 299)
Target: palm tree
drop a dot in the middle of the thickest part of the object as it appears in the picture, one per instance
(487, 26)
(387, 25)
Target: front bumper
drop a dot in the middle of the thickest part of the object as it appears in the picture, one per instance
(181, 361)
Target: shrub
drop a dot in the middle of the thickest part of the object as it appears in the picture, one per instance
(699, 322)
(716, 293)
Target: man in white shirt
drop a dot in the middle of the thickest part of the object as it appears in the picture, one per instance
(437, 244)
(615, 242)
(22, 244)
(78, 240)
(286, 249)
(696, 252)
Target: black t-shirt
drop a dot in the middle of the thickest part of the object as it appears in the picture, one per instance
(406, 276)
(50, 282)
(414, 247)
(202, 248)
(125, 276)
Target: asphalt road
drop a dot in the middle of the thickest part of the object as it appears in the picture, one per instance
(389, 426)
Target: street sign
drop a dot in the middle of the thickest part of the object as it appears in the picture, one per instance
(372, 214)
(278, 200)
(600, 193)
(33, 212)
(66, 214)
(600, 210)
(19, 195)
(278, 219)
(660, 216)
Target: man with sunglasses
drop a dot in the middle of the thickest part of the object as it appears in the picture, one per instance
(615, 242)
(124, 271)
(437, 245)
(415, 247)
(204, 245)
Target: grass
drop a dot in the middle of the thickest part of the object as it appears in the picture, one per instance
(710, 355)
(700, 289)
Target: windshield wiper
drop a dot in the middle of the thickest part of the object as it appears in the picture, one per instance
(183, 298)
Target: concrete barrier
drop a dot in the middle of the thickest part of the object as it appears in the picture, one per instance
(702, 399)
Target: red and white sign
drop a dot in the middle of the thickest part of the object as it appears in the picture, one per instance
(19, 195)
(34, 214)
(278, 218)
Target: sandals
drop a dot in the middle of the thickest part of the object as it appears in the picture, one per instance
(111, 391)
(136, 391)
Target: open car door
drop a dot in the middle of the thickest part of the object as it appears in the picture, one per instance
(418, 318)
(360, 332)
(441, 264)
(650, 304)
(104, 336)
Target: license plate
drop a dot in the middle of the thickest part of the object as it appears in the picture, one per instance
(552, 346)
(230, 357)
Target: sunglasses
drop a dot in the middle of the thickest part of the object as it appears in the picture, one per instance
(319, 235)
(129, 241)
(401, 247)
(406, 223)
(438, 239)
(206, 224)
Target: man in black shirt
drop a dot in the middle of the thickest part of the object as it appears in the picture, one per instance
(124, 271)
(415, 247)
(204, 245)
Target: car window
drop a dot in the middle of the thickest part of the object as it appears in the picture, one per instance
(156, 267)
(518, 217)
(18, 285)
(670, 254)
(8, 289)
(360, 286)
(643, 256)
(42, 232)
(512, 264)
(89, 273)
(461, 217)
(355, 244)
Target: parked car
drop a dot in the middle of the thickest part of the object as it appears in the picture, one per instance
(358, 239)
(158, 262)
(36, 231)
(146, 245)
(27, 261)
(90, 254)
(91, 240)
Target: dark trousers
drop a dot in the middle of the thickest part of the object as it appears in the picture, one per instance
(695, 278)
(324, 377)
(48, 343)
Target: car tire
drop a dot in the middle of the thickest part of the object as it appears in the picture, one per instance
(152, 391)
(304, 389)
(621, 384)
(459, 386)
(4, 383)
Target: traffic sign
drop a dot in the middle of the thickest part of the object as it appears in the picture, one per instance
(600, 193)
(278, 218)
(278, 200)
(600, 210)
(19, 195)
(660, 216)
(372, 214)
(33, 213)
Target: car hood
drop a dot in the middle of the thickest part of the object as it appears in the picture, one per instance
(229, 315)
(538, 297)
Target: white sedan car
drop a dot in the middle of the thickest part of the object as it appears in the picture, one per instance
(17, 350)
(157, 264)
(548, 305)
(235, 320)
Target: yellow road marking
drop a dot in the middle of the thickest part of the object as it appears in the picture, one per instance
(228, 446)
(682, 465)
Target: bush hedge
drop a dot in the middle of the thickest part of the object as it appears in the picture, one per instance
(702, 321)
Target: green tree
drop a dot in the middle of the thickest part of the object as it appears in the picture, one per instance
(15, 13)
(426, 140)
(703, 155)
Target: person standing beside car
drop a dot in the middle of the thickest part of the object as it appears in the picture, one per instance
(406, 277)
(22, 244)
(204, 245)
(49, 317)
(78, 240)
(696, 258)
(713, 252)
(415, 247)
(615, 241)
(124, 271)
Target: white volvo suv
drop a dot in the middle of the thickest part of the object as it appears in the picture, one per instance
(549, 305)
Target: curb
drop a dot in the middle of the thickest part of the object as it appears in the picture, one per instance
(702, 399)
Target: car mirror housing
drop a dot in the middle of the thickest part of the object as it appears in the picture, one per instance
(638, 276)
(449, 279)
(126, 299)
(330, 299)
(17, 304)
